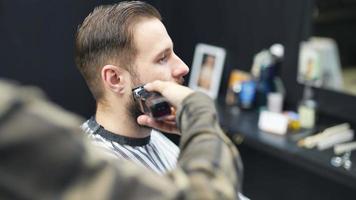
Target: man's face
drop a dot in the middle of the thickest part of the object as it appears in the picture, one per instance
(155, 59)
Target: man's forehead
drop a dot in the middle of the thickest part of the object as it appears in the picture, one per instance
(151, 37)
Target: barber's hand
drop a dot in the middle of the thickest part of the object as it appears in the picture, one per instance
(175, 94)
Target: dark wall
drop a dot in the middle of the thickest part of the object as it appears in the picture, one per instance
(36, 38)
(242, 27)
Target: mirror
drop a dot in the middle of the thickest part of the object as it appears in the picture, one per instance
(334, 41)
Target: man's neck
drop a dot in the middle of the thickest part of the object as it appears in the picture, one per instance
(119, 122)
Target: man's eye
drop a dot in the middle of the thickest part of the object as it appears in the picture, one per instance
(163, 59)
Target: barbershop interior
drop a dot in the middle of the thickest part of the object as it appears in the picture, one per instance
(282, 75)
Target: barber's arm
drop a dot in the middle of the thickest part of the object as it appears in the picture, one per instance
(43, 155)
(209, 166)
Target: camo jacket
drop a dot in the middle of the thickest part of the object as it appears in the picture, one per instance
(43, 155)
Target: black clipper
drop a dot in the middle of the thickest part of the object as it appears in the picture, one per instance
(151, 103)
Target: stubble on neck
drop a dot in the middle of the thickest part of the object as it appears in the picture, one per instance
(122, 120)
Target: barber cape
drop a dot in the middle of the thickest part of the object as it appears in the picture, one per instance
(155, 152)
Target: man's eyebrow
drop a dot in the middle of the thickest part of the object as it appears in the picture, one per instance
(168, 49)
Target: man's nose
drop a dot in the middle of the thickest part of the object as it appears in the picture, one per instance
(180, 69)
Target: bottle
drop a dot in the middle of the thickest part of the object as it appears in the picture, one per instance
(247, 94)
(269, 65)
(307, 109)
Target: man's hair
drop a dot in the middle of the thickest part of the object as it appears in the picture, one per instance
(106, 37)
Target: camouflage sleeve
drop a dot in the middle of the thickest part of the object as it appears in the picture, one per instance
(44, 156)
(210, 161)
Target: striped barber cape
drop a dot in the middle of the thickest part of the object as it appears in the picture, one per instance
(155, 152)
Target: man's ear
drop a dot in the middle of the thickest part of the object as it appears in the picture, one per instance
(114, 78)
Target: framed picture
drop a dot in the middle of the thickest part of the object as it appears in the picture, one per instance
(207, 68)
(309, 70)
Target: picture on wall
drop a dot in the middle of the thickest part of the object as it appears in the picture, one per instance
(207, 69)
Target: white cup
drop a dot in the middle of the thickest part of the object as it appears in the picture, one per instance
(275, 102)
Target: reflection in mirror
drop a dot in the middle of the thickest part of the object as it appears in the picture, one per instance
(334, 43)
(319, 64)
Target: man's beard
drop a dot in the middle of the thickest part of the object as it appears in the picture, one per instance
(133, 107)
(134, 112)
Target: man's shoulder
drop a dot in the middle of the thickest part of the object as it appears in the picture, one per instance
(90, 126)
(160, 137)
(157, 134)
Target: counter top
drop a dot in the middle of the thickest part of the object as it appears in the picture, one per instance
(242, 126)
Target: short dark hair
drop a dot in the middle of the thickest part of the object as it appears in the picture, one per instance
(106, 37)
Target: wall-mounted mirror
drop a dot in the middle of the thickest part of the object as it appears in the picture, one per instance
(334, 25)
